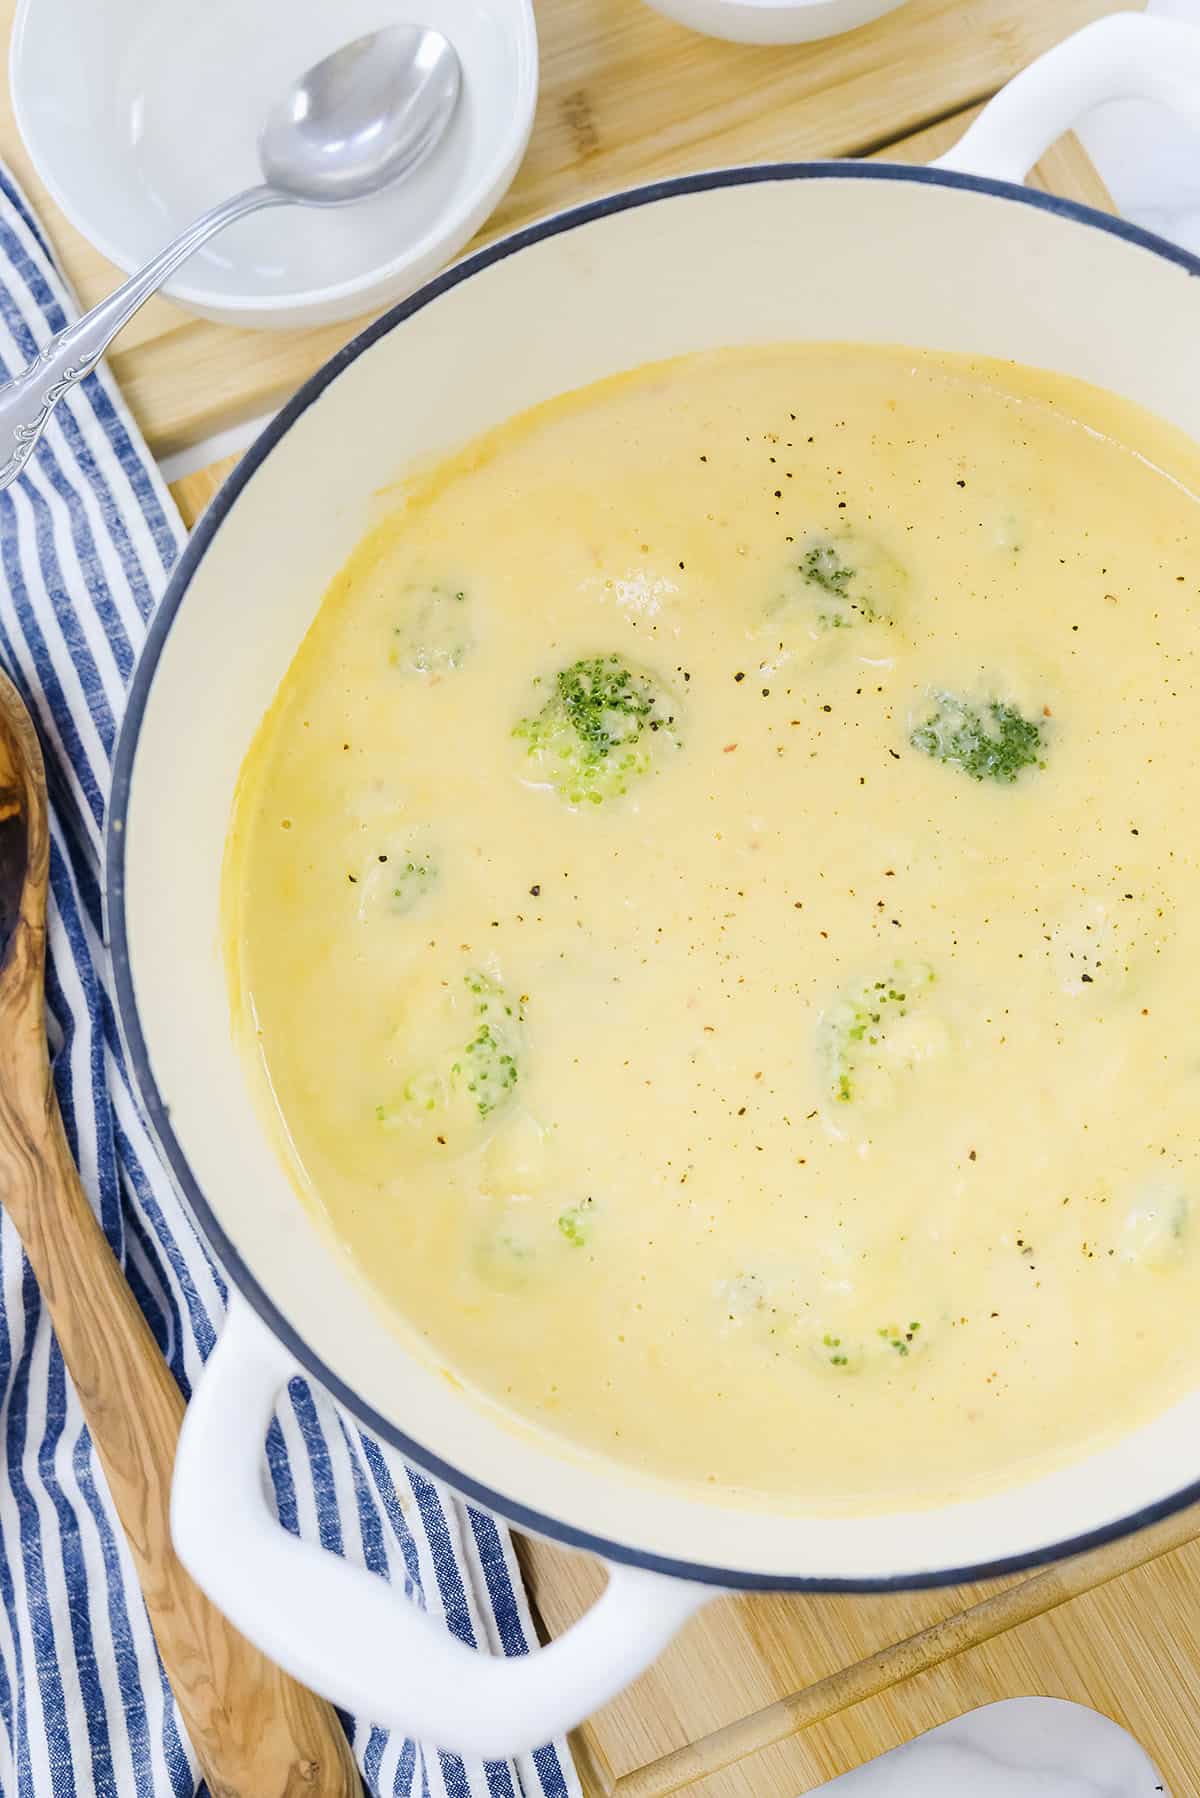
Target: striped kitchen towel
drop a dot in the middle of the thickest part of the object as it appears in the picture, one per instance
(88, 536)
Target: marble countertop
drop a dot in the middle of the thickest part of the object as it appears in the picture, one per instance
(1150, 159)
(1023, 1748)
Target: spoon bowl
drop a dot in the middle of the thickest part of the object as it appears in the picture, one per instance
(363, 117)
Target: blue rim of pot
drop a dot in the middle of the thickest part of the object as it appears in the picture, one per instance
(157, 1110)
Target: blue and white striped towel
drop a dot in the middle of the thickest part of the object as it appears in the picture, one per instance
(87, 539)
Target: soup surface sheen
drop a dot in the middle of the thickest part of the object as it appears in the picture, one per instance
(714, 900)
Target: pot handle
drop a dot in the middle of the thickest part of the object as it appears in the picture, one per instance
(346, 1632)
(1124, 57)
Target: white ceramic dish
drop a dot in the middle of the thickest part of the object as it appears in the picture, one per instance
(949, 257)
(115, 103)
(774, 21)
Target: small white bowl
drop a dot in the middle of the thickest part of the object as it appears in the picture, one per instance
(139, 115)
(774, 21)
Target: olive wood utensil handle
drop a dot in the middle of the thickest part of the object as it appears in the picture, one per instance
(257, 1733)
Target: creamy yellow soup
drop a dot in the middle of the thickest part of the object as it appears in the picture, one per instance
(715, 905)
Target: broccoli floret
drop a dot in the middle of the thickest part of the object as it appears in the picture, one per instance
(988, 741)
(899, 1339)
(853, 1353)
(836, 1352)
(869, 1034)
(513, 1250)
(855, 581)
(396, 879)
(433, 635)
(843, 579)
(603, 725)
(466, 1086)
(518, 1245)
(575, 1223)
(784, 1316)
(489, 1066)
(822, 566)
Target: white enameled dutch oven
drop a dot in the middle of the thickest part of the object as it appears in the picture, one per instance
(959, 257)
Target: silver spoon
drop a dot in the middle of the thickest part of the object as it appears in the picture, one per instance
(359, 120)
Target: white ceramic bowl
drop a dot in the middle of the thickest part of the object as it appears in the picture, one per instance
(702, 261)
(139, 115)
(774, 21)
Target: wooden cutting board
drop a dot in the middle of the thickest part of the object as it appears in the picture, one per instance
(767, 1696)
(625, 96)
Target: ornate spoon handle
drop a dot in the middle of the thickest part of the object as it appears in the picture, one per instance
(27, 401)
